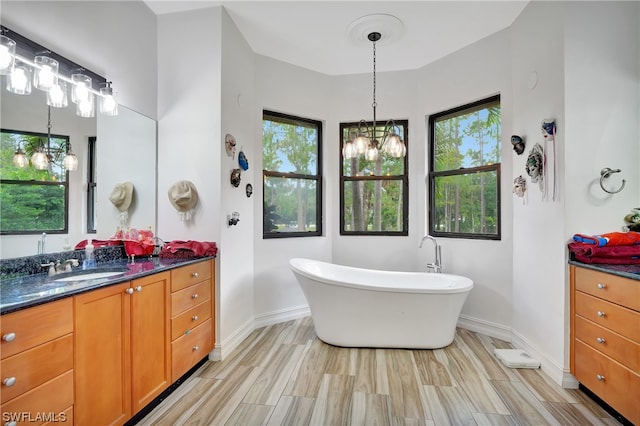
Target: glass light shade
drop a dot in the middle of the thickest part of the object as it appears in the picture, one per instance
(46, 73)
(361, 143)
(372, 153)
(108, 102)
(57, 95)
(19, 81)
(70, 161)
(349, 150)
(394, 146)
(39, 160)
(20, 158)
(7, 54)
(86, 107)
(81, 90)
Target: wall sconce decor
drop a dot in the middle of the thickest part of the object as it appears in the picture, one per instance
(234, 218)
(26, 64)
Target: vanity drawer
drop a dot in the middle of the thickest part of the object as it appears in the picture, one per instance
(52, 397)
(626, 351)
(36, 366)
(620, 290)
(190, 348)
(609, 315)
(190, 274)
(612, 382)
(189, 297)
(190, 319)
(34, 326)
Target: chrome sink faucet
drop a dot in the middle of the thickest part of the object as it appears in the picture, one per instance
(436, 266)
(60, 267)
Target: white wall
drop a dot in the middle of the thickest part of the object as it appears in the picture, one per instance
(97, 35)
(586, 56)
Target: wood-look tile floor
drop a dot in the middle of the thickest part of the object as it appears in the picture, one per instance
(284, 375)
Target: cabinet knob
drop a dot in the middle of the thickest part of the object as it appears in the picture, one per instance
(601, 314)
(600, 378)
(600, 340)
(129, 290)
(601, 286)
(195, 348)
(194, 275)
(9, 337)
(9, 381)
(194, 318)
(194, 296)
(139, 288)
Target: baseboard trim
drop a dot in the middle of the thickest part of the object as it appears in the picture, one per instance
(282, 315)
(487, 328)
(227, 346)
(554, 371)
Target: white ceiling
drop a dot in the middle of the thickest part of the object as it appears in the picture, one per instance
(316, 34)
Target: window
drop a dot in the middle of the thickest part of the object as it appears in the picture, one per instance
(464, 174)
(292, 179)
(33, 201)
(91, 186)
(374, 195)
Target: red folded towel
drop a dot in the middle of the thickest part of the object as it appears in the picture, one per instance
(620, 255)
(610, 239)
(189, 248)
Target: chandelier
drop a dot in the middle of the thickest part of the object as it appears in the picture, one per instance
(25, 64)
(369, 141)
(43, 157)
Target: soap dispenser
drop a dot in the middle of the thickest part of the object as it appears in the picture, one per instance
(89, 257)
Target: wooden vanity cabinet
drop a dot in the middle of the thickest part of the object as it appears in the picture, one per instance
(605, 337)
(192, 307)
(36, 364)
(122, 349)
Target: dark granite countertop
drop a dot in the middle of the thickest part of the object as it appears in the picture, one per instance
(20, 292)
(628, 271)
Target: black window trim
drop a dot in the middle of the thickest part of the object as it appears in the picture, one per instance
(317, 178)
(461, 171)
(65, 230)
(403, 178)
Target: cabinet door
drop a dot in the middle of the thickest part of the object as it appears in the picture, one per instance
(150, 338)
(102, 356)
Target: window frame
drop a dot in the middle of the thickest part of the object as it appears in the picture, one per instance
(317, 178)
(404, 179)
(433, 175)
(65, 185)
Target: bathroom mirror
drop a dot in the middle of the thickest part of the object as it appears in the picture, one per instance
(125, 151)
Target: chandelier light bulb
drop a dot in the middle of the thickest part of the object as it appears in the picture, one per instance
(20, 158)
(39, 160)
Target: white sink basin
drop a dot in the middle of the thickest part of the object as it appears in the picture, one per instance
(89, 276)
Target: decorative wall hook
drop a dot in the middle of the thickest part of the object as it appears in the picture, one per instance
(234, 218)
(604, 174)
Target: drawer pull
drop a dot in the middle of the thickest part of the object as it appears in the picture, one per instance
(600, 378)
(601, 286)
(194, 296)
(9, 381)
(601, 314)
(195, 348)
(9, 337)
(129, 290)
(194, 318)
(194, 275)
(139, 288)
(600, 340)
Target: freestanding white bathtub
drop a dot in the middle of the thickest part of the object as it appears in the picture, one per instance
(356, 307)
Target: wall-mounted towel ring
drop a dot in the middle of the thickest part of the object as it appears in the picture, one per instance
(604, 174)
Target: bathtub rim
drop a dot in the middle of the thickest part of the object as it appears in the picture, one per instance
(463, 284)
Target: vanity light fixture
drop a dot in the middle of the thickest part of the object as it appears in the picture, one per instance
(370, 140)
(52, 73)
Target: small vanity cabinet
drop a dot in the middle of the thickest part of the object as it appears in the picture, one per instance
(37, 364)
(605, 337)
(192, 306)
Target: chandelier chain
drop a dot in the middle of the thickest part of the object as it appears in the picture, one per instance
(374, 104)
